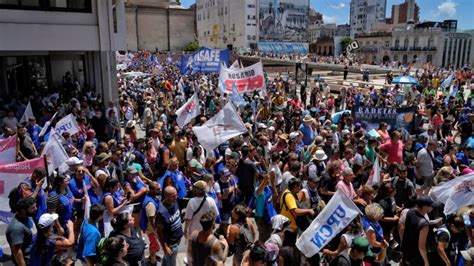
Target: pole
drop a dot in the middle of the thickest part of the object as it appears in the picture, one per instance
(48, 181)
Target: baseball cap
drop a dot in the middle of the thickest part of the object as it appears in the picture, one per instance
(314, 179)
(73, 161)
(424, 200)
(279, 222)
(362, 244)
(132, 170)
(47, 219)
(102, 157)
(468, 254)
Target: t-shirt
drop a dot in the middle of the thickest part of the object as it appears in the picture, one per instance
(88, 240)
(169, 217)
(413, 224)
(19, 233)
(288, 203)
(344, 260)
(193, 205)
(394, 151)
(347, 189)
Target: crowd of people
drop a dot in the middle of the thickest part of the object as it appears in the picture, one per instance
(247, 201)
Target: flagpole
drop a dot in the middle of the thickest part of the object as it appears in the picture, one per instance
(47, 172)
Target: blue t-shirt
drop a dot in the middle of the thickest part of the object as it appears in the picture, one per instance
(77, 189)
(45, 257)
(308, 134)
(40, 201)
(66, 200)
(34, 134)
(136, 186)
(178, 180)
(88, 240)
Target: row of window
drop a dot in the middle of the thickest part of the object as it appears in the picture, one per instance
(48, 5)
(415, 43)
(251, 37)
(404, 58)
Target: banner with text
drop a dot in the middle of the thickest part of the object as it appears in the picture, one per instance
(396, 118)
(205, 60)
(246, 79)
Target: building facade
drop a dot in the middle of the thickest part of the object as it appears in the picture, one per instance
(343, 30)
(159, 24)
(43, 40)
(374, 47)
(365, 13)
(405, 12)
(321, 30)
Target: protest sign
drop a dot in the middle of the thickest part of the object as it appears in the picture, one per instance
(205, 60)
(246, 79)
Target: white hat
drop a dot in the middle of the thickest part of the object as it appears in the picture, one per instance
(468, 254)
(130, 124)
(261, 126)
(47, 219)
(272, 128)
(307, 119)
(293, 135)
(279, 222)
(320, 155)
(74, 161)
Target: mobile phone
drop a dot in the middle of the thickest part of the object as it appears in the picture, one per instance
(129, 195)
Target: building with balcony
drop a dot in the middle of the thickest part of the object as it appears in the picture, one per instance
(365, 13)
(159, 24)
(374, 47)
(43, 40)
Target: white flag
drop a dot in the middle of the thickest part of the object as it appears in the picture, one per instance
(335, 216)
(8, 150)
(67, 124)
(27, 114)
(455, 194)
(188, 111)
(374, 177)
(87, 204)
(46, 125)
(54, 151)
(223, 126)
(235, 65)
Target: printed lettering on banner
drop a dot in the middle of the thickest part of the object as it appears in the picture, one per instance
(246, 79)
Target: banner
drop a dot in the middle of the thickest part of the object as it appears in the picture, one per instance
(188, 111)
(205, 60)
(27, 114)
(283, 48)
(10, 177)
(67, 124)
(54, 151)
(334, 217)
(396, 118)
(455, 194)
(8, 150)
(246, 79)
(45, 128)
(223, 126)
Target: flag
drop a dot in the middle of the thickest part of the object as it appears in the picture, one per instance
(46, 125)
(188, 111)
(54, 151)
(236, 97)
(447, 82)
(336, 216)
(10, 177)
(455, 194)
(223, 126)
(169, 60)
(27, 114)
(8, 150)
(374, 177)
(235, 65)
(87, 204)
(67, 124)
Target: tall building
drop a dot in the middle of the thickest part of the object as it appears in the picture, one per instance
(365, 13)
(405, 12)
(244, 24)
(343, 30)
(159, 24)
(43, 40)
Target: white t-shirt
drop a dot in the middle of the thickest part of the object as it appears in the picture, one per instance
(278, 176)
(193, 205)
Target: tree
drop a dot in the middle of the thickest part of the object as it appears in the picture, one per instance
(345, 42)
(192, 46)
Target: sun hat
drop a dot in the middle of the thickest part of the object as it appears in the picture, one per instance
(320, 155)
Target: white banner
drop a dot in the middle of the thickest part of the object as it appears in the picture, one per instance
(67, 124)
(27, 114)
(46, 125)
(246, 79)
(455, 194)
(223, 126)
(188, 111)
(8, 150)
(374, 177)
(336, 215)
(54, 151)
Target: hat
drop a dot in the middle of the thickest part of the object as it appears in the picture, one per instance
(261, 126)
(293, 135)
(345, 132)
(132, 170)
(272, 128)
(47, 219)
(226, 172)
(314, 179)
(424, 200)
(423, 136)
(468, 254)
(74, 161)
(362, 244)
(333, 127)
(202, 185)
(279, 222)
(308, 119)
(357, 125)
(320, 155)
(102, 157)
(283, 137)
(130, 124)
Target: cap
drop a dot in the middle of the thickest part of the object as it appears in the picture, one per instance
(261, 126)
(423, 136)
(279, 222)
(102, 157)
(47, 219)
(424, 200)
(314, 179)
(226, 172)
(202, 185)
(132, 170)
(362, 244)
(74, 161)
(468, 254)
(293, 135)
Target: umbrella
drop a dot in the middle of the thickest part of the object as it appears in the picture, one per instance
(404, 80)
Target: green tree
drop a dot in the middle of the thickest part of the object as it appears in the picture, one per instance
(345, 42)
(192, 46)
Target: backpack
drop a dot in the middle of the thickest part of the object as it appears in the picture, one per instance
(302, 222)
(245, 237)
(102, 256)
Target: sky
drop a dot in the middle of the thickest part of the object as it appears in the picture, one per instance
(337, 11)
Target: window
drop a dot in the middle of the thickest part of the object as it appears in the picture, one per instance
(387, 44)
(405, 59)
(397, 44)
(114, 15)
(429, 58)
(405, 44)
(430, 42)
(48, 5)
(248, 17)
(415, 43)
(225, 10)
(251, 6)
(395, 57)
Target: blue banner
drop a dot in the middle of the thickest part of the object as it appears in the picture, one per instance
(205, 60)
(283, 48)
(397, 118)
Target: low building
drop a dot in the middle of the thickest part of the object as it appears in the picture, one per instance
(374, 47)
(321, 30)
(324, 46)
(48, 44)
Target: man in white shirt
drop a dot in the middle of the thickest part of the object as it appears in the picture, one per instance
(425, 160)
(10, 121)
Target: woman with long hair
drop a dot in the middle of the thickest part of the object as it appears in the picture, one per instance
(131, 131)
(116, 249)
(88, 153)
(195, 165)
(240, 222)
(151, 154)
(65, 200)
(113, 202)
(123, 225)
(386, 199)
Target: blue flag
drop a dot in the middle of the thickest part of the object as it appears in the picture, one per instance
(236, 97)
(447, 82)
